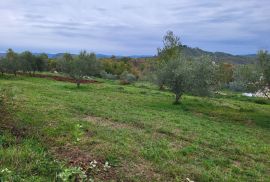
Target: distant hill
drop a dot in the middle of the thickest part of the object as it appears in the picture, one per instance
(219, 56)
(188, 51)
(98, 55)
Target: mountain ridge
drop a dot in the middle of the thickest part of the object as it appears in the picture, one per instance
(187, 51)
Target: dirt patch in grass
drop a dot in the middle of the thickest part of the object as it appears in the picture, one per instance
(74, 156)
(157, 132)
(111, 124)
(7, 122)
(61, 78)
(19, 133)
(142, 169)
(126, 171)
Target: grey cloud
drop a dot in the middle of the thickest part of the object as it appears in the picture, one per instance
(134, 27)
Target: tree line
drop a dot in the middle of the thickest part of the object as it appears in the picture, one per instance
(170, 69)
(74, 66)
(25, 62)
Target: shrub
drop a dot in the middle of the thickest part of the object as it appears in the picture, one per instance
(127, 78)
(108, 76)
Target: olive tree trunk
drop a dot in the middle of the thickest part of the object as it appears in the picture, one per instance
(177, 99)
(161, 87)
(78, 83)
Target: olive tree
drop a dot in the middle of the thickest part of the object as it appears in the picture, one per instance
(264, 64)
(204, 77)
(11, 62)
(171, 50)
(2, 66)
(253, 77)
(182, 76)
(246, 78)
(27, 60)
(86, 64)
(41, 62)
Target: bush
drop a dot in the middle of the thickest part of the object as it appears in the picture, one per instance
(237, 86)
(261, 101)
(108, 76)
(127, 78)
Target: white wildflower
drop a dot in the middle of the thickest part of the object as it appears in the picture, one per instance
(93, 164)
(106, 166)
(189, 180)
(6, 170)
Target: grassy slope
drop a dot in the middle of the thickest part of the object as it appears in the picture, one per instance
(137, 130)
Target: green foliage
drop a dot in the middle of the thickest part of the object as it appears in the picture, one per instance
(11, 62)
(204, 77)
(108, 76)
(52, 65)
(184, 76)
(28, 62)
(225, 74)
(253, 77)
(171, 47)
(246, 78)
(2, 65)
(264, 62)
(72, 174)
(171, 50)
(41, 62)
(116, 67)
(127, 78)
(86, 64)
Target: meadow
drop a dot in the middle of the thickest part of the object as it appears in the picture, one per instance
(50, 128)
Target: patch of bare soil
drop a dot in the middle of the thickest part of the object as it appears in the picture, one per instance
(141, 169)
(74, 156)
(61, 78)
(138, 126)
(7, 122)
(110, 123)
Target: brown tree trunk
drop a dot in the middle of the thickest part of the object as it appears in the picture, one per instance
(177, 99)
(78, 83)
(161, 87)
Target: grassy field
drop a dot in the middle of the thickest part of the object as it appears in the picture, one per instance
(48, 128)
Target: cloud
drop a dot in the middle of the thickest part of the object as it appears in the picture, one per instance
(133, 27)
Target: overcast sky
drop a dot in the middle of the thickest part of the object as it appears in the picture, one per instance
(125, 27)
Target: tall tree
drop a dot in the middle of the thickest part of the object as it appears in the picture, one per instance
(12, 63)
(171, 47)
(2, 65)
(171, 50)
(225, 74)
(182, 76)
(246, 78)
(264, 63)
(27, 61)
(41, 62)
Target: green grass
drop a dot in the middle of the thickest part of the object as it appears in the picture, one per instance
(136, 129)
